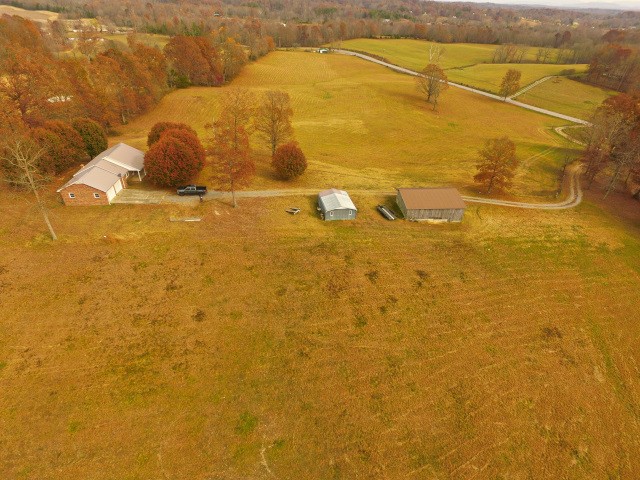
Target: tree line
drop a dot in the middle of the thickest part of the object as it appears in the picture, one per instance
(43, 95)
(613, 149)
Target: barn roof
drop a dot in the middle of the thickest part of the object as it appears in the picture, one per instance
(95, 177)
(334, 199)
(431, 198)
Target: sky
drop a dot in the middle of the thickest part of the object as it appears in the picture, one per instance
(631, 4)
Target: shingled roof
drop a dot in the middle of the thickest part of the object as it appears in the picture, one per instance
(120, 158)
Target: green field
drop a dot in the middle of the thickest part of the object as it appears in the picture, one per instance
(567, 96)
(363, 126)
(463, 63)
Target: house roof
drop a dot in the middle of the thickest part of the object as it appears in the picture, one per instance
(120, 158)
(431, 198)
(334, 199)
(95, 177)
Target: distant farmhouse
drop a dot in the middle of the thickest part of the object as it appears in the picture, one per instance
(98, 182)
(336, 205)
(443, 204)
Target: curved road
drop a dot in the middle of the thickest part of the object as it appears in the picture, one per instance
(464, 87)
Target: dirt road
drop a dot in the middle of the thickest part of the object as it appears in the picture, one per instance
(469, 89)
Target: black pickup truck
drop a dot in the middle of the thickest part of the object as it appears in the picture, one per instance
(199, 190)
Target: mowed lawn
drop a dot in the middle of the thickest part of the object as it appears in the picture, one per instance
(469, 64)
(255, 344)
(567, 96)
(363, 126)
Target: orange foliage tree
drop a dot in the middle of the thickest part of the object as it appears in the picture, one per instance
(289, 161)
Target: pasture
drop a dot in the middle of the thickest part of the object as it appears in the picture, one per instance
(469, 64)
(567, 96)
(259, 345)
(363, 126)
(40, 16)
(255, 344)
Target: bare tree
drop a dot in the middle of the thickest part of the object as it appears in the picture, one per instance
(273, 118)
(21, 158)
(431, 82)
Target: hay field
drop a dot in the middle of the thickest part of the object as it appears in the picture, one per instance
(149, 39)
(414, 54)
(259, 345)
(567, 96)
(363, 126)
(41, 16)
(469, 64)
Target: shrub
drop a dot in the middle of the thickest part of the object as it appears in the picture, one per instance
(289, 161)
(156, 131)
(171, 162)
(189, 139)
(93, 135)
(63, 146)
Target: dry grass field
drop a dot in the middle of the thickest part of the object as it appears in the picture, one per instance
(41, 16)
(466, 63)
(567, 96)
(259, 345)
(363, 126)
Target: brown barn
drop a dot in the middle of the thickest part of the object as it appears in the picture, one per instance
(100, 180)
(444, 204)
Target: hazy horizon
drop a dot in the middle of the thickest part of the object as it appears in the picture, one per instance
(634, 4)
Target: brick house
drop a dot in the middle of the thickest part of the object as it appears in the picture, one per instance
(100, 180)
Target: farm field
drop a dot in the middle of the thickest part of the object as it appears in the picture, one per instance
(567, 96)
(150, 39)
(255, 344)
(463, 63)
(363, 126)
(41, 16)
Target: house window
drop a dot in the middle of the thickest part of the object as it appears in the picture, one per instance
(96, 195)
(331, 214)
(72, 195)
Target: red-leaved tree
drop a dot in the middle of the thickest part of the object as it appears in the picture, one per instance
(159, 128)
(289, 161)
(171, 162)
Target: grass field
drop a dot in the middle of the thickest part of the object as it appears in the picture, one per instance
(567, 96)
(150, 39)
(42, 16)
(258, 345)
(465, 63)
(364, 126)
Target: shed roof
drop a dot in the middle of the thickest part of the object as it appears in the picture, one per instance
(431, 198)
(95, 177)
(334, 199)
